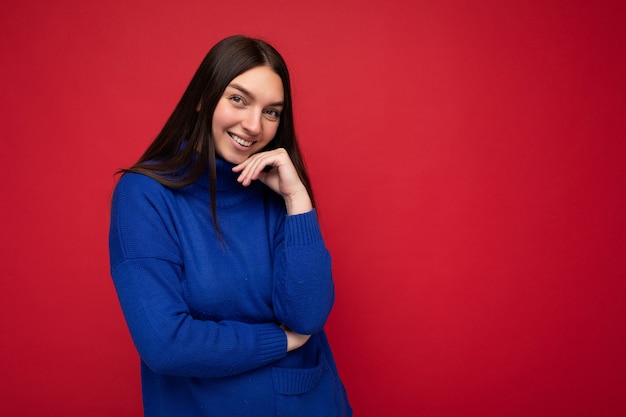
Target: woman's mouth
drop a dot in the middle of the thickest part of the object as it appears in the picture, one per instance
(240, 141)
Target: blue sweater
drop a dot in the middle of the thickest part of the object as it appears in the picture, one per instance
(204, 313)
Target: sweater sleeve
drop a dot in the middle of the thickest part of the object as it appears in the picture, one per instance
(303, 287)
(147, 270)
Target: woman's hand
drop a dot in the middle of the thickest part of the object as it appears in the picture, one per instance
(281, 177)
(294, 340)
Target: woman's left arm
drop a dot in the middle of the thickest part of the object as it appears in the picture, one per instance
(303, 293)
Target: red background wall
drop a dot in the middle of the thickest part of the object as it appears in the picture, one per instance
(468, 159)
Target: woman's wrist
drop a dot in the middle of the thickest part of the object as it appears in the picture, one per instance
(298, 203)
(294, 340)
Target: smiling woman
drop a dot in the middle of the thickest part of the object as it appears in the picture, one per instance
(246, 118)
(228, 319)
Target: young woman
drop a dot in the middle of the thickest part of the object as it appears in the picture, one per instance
(217, 256)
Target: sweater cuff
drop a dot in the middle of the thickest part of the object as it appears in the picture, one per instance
(272, 342)
(302, 229)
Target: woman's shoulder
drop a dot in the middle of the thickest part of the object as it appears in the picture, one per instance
(136, 188)
(136, 182)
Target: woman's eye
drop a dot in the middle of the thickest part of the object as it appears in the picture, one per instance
(273, 114)
(237, 99)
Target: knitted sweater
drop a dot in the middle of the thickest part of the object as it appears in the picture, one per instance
(204, 312)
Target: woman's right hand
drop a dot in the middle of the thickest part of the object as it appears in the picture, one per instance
(294, 340)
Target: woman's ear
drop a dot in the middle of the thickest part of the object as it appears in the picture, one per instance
(198, 106)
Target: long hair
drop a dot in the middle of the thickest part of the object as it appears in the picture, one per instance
(185, 146)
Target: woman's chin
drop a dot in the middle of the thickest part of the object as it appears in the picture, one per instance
(233, 159)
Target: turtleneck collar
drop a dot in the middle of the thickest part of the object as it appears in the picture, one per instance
(229, 191)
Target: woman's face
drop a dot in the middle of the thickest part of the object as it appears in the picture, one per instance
(247, 115)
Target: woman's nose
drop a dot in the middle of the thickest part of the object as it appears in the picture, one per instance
(252, 122)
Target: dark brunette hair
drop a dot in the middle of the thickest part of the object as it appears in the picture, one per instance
(185, 146)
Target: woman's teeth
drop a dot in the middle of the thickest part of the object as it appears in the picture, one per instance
(240, 141)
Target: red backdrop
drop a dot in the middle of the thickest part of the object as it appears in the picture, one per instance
(468, 159)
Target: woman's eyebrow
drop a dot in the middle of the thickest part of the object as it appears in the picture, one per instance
(249, 94)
